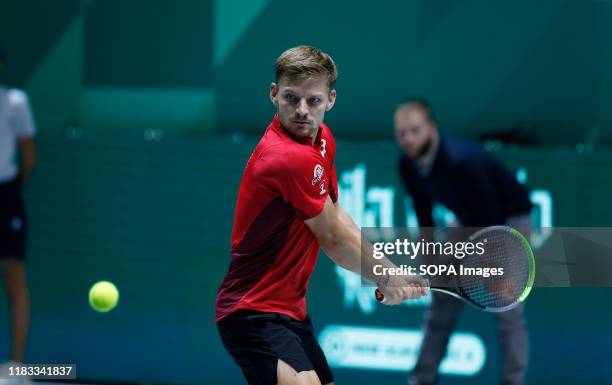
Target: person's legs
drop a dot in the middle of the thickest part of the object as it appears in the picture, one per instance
(13, 230)
(19, 298)
(440, 321)
(266, 349)
(305, 332)
(514, 345)
(513, 338)
(288, 376)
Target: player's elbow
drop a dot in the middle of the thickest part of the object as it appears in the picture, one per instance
(332, 243)
(329, 241)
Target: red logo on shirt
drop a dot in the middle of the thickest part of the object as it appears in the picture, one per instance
(318, 174)
(318, 178)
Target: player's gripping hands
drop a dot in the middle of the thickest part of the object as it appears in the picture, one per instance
(400, 288)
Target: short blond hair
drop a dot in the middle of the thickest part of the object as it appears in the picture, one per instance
(304, 62)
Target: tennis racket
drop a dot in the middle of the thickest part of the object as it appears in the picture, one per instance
(504, 247)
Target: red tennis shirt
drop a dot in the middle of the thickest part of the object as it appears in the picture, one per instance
(285, 181)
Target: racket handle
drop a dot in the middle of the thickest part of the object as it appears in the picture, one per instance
(379, 295)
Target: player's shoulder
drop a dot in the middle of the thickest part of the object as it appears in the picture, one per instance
(273, 145)
(328, 135)
(283, 158)
(326, 130)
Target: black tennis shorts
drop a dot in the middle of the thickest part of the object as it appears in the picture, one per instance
(257, 341)
(12, 221)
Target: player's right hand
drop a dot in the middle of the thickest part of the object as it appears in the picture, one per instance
(401, 290)
(419, 283)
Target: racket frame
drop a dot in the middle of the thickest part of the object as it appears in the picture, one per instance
(460, 293)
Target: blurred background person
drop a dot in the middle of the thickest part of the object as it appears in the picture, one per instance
(480, 192)
(17, 132)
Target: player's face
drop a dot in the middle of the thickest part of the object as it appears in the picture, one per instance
(414, 132)
(301, 104)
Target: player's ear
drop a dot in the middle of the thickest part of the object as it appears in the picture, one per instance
(274, 93)
(331, 100)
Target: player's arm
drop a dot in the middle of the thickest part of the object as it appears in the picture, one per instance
(28, 159)
(341, 240)
(346, 219)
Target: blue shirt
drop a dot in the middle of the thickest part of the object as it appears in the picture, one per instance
(466, 180)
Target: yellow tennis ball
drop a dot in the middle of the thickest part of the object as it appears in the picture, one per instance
(103, 296)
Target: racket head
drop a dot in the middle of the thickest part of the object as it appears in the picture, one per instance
(507, 248)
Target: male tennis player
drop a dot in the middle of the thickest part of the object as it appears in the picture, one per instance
(287, 209)
(480, 192)
(16, 132)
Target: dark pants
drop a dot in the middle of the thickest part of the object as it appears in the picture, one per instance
(439, 324)
(13, 223)
(440, 321)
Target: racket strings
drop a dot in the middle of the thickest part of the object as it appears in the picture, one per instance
(502, 250)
